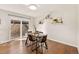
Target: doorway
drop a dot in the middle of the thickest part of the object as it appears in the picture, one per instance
(19, 29)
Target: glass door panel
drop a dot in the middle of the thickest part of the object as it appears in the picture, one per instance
(15, 29)
(25, 26)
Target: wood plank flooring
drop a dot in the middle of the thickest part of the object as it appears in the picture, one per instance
(18, 47)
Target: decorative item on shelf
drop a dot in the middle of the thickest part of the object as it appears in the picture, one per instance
(48, 17)
(40, 22)
(57, 20)
(53, 19)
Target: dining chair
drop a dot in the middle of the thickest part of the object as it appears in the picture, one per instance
(43, 41)
(27, 39)
(29, 32)
(39, 32)
(32, 40)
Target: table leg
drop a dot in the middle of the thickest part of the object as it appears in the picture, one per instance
(36, 47)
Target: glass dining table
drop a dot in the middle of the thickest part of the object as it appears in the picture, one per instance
(37, 37)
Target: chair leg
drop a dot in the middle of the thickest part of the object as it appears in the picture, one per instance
(46, 45)
(41, 48)
(26, 41)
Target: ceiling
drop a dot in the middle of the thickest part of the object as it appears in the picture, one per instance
(42, 10)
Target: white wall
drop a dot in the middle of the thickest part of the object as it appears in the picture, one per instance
(78, 26)
(4, 32)
(66, 32)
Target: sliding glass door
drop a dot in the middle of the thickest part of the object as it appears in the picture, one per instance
(19, 29)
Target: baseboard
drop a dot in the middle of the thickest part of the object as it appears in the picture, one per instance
(63, 42)
(1, 42)
(78, 50)
(22, 38)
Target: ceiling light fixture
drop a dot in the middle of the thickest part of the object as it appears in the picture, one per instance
(33, 6)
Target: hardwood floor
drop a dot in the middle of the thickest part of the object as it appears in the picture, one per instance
(18, 47)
